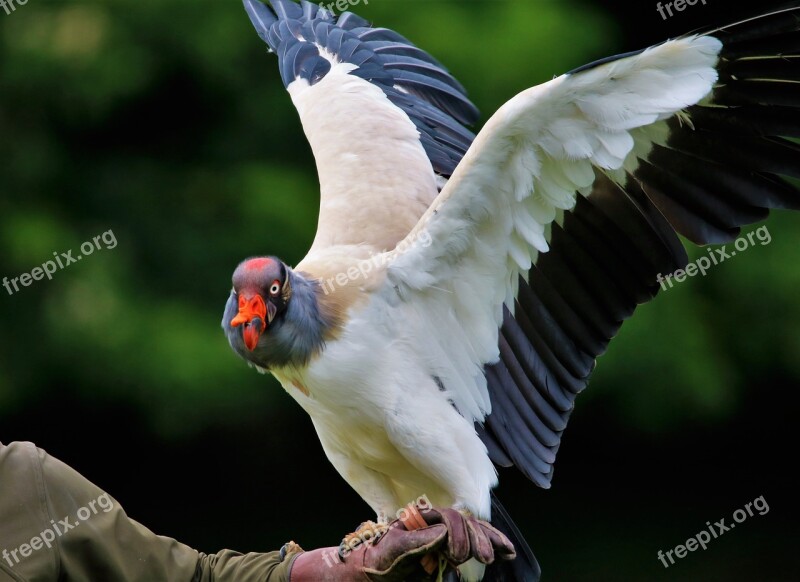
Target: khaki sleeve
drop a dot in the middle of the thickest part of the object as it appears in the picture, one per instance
(230, 566)
(56, 525)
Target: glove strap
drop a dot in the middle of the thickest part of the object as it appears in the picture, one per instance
(412, 520)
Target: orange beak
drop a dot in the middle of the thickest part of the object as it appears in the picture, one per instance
(253, 314)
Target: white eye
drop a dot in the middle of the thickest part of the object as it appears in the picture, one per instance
(275, 288)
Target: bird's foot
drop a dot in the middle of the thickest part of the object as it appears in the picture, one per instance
(369, 531)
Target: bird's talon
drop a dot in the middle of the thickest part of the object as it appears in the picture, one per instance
(368, 531)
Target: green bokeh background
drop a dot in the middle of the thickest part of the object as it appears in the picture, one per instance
(166, 122)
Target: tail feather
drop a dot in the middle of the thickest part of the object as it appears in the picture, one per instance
(524, 568)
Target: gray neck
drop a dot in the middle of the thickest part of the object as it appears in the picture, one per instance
(300, 333)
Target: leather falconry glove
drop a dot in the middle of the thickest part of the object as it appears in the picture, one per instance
(398, 554)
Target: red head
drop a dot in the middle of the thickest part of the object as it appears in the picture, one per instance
(262, 289)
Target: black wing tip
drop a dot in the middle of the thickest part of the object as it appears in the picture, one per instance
(727, 168)
(262, 18)
(730, 34)
(525, 567)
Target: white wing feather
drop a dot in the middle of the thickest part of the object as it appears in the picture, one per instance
(529, 163)
(366, 196)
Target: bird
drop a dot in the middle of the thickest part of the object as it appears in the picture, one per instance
(460, 287)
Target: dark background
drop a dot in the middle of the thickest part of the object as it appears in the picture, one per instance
(166, 122)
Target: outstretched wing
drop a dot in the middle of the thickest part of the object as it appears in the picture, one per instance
(567, 207)
(384, 119)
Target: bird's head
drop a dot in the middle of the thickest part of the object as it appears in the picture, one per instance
(261, 293)
(273, 316)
